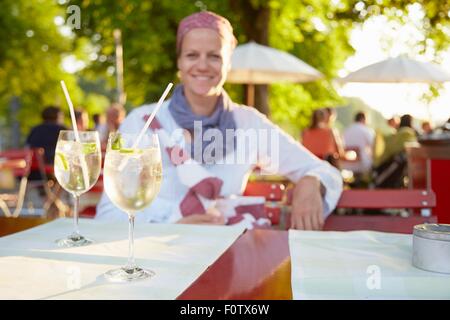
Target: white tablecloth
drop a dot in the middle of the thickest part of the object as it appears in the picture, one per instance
(360, 265)
(33, 267)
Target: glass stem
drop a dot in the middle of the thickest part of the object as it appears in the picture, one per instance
(130, 264)
(76, 231)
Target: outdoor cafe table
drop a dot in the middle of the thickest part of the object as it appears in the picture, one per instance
(255, 264)
(33, 267)
(360, 265)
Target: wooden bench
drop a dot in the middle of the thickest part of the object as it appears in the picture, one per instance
(387, 198)
(424, 200)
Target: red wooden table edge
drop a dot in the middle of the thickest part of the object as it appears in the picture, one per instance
(271, 270)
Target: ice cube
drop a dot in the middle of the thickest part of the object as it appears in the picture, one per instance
(130, 176)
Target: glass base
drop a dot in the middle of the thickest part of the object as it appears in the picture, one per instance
(73, 241)
(126, 274)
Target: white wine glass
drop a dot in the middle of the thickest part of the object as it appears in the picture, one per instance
(77, 167)
(132, 179)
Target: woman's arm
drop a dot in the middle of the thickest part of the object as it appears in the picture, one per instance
(318, 184)
(307, 204)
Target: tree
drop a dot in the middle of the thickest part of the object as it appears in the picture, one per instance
(317, 31)
(257, 30)
(31, 50)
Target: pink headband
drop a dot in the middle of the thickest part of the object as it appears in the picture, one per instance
(206, 19)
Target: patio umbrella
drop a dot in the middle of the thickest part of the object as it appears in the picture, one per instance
(399, 69)
(253, 63)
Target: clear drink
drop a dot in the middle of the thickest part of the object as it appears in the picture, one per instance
(132, 178)
(77, 166)
(70, 157)
(135, 186)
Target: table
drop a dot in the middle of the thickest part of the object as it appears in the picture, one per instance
(33, 267)
(256, 266)
(13, 225)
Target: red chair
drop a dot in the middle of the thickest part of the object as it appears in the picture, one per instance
(51, 186)
(20, 160)
(274, 213)
(274, 194)
(270, 190)
(33, 161)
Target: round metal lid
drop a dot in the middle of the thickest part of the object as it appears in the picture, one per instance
(433, 231)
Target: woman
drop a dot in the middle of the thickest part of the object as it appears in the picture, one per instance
(321, 139)
(199, 109)
(395, 144)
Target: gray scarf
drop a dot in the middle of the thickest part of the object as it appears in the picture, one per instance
(221, 120)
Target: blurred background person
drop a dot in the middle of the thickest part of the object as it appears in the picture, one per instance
(392, 170)
(405, 133)
(330, 120)
(114, 116)
(360, 138)
(98, 119)
(446, 126)
(426, 128)
(46, 134)
(82, 118)
(393, 124)
(329, 116)
(321, 140)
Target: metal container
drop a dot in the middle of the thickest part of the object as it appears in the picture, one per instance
(431, 247)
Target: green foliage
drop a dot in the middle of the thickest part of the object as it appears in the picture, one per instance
(308, 32)
(148, 37)
(317, 31)
(30, 54)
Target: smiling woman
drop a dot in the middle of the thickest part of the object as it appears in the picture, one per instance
(203, 65)
(205, 42)
(204, 170)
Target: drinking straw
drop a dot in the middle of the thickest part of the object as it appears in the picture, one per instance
(147, 124)
(150, 119)
(72, 112)
(83, 163)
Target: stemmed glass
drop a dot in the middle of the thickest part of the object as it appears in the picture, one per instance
(77, 168)
(132, 179)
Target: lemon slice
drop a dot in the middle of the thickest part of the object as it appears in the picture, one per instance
(89, 148)
(130, 150)
(61, 161)
(127, 150)
(117, 143)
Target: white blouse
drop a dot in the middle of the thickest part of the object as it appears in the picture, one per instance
(259, 143)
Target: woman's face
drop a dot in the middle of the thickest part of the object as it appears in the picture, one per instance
(204, 62)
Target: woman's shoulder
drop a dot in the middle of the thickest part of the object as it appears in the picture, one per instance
(245, 110)
(137, 117)
(247, 116)
(146, 109)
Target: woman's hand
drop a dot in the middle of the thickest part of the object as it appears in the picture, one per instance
(212, 216)
(307, 207)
